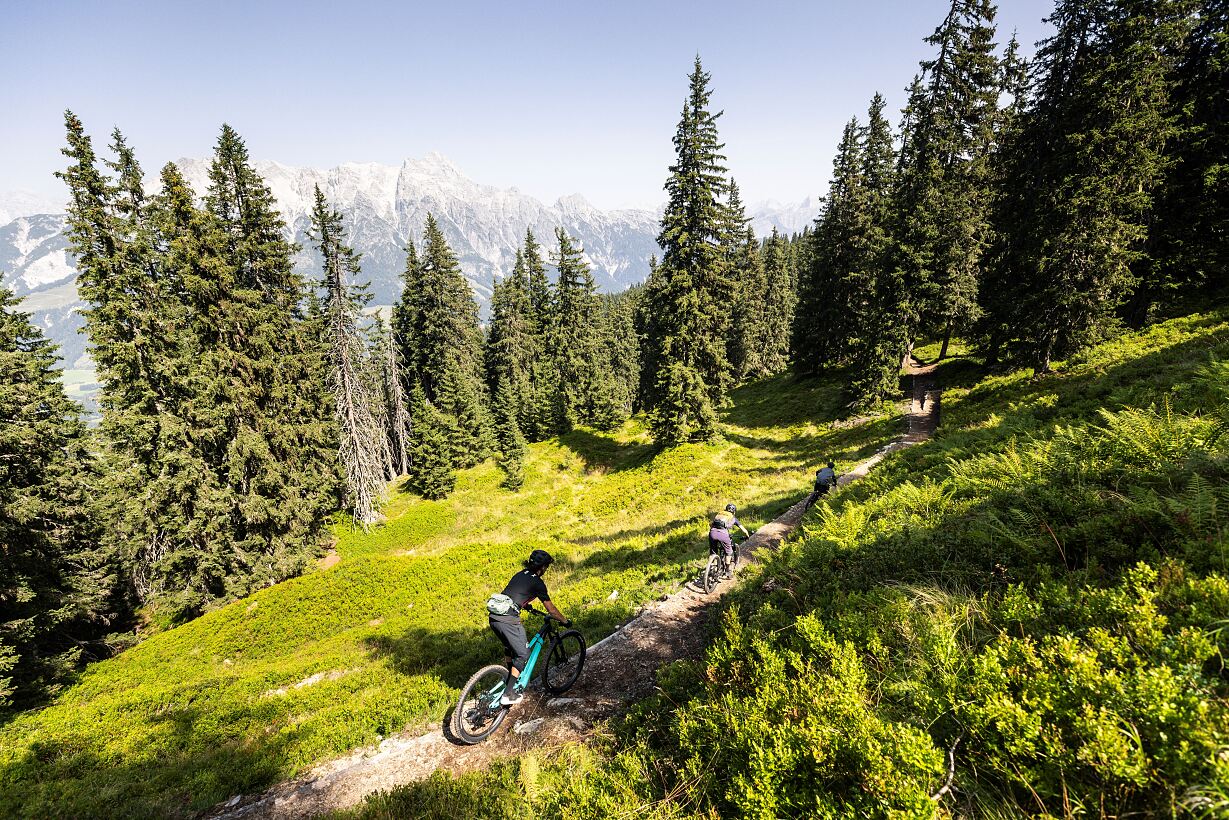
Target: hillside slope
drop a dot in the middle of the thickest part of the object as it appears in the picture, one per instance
(256, 691)
(1027, 615)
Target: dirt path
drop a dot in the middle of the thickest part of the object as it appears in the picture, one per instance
(619, 670)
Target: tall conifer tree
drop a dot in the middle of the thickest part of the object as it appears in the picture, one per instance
(827, 291)
(512, 344)
(219, 465)
(512, 447)
(443, 343)
(60, 589)
(780, 302)
(689, 302)
(1082, 165)
(362, 441)
(943, 197)
(580, 361)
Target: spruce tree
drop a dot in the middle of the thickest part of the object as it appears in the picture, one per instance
(280, 462)
(824, 320)
(60, 590)
(467, 416)
(389, 384)
(511, 342)
(621, 343)
(878, 342)
(690, 303)
(541, 299)
(649, 330)
(943, 195)
(580, 361)
(404, 321)
(362, 441)
(1189, 234)
(436, 321)
(217, 440)
(512, 446)
(431, 466)
(751, 318)
(540, 417)
(780, 302)
(1081, 167)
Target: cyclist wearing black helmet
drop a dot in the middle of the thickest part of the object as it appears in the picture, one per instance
(719, 531)
(505, 615)
(730, 518)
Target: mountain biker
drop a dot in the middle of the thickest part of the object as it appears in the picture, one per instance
(504, 610)
(730, 518)
(719, 532)
(825, 479)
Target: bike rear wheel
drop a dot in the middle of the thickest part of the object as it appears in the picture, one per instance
(478, 712)
(565, 662)
(712, 573)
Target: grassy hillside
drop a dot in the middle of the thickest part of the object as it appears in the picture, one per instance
(255, 691)
(1040, 592)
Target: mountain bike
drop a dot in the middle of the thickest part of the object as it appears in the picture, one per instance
(718, 567)
(479, 712)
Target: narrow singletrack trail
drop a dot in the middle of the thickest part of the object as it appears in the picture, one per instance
(619, 671)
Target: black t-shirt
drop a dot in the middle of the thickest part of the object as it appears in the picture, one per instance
(524, 587)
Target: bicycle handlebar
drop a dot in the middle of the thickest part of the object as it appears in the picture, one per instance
(543, 613)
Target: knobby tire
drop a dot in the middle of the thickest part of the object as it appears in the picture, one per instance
(475, 720)
(565, 662)
(712, 574)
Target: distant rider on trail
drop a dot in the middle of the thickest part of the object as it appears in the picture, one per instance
(825, 479)
(719, 531)
(505, 616)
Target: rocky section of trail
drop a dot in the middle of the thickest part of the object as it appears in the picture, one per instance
(619, 670)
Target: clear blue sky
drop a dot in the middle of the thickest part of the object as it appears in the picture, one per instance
(552, 97)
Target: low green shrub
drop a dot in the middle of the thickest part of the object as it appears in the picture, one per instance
(1033, 604)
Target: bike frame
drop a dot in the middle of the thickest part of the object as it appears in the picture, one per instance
(535, 649)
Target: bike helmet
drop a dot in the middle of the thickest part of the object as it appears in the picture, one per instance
(539, 558)
(731, 509)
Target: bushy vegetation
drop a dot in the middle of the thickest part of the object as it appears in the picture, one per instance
(257, 690)
(1039, 593)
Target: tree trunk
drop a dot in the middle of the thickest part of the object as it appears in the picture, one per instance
(947, 338)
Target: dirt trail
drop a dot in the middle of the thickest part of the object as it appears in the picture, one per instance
(619, 670)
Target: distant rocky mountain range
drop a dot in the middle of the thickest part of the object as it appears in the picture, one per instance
(384, 205)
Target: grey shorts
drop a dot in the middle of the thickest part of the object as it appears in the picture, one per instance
(511, 633)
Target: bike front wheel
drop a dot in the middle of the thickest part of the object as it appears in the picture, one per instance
(565, 662)
(478, 712)
(712, 574)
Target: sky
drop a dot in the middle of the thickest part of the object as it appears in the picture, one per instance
(553, 98)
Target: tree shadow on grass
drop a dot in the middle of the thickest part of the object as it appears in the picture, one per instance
(689, 544)
(196, 759)
(857, 442)
(451, 655)
(602, 452)
(786, 400)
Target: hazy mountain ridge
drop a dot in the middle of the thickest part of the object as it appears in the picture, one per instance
(384, 206)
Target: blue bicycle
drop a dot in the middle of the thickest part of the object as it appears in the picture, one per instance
(479, 712)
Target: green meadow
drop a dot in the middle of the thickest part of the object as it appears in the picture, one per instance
(1037, 597)
(256, 691)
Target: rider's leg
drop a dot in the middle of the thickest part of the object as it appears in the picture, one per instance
(511, 634)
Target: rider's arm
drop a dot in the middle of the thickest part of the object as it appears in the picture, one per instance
(741, 527)
(554, 610)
